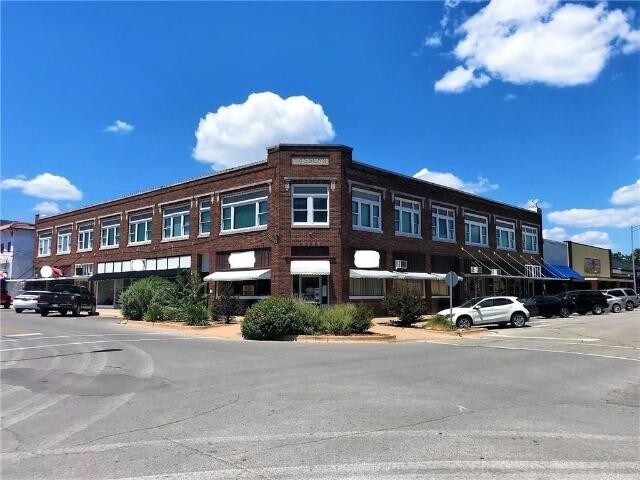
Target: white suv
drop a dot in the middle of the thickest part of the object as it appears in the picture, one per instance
(488, 310)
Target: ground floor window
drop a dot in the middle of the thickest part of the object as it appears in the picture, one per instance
(439, 288)
(311, 288)
(246, 288)
(366, 287)
(416, 285)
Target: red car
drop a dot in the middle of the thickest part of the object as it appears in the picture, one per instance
(5, 298)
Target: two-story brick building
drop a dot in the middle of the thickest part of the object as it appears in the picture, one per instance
(307, 221)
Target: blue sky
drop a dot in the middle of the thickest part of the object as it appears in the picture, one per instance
(547, 111)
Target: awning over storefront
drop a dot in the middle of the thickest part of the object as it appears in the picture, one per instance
(357, 273)
(419, 276)
(238, 275)
(146, 273)
(310, 267)
(440, 276)
(560, 271)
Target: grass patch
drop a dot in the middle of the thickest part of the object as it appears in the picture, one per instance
(439, 322)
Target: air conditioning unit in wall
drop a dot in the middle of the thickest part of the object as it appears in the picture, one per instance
(476, 270)
(495, 271)
(400, 264)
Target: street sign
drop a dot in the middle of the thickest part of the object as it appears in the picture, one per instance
(451, 279)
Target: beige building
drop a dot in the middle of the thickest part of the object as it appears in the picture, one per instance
(594, 264)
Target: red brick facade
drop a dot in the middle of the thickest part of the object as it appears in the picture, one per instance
(278, 174)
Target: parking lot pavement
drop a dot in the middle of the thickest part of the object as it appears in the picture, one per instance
(86, 398)
(608, 335)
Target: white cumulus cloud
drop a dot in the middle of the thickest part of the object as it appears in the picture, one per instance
(597, 217)
(45, 185)
(434, 40)
(555, 233)
(594, 238)
(46, 208)
(545, 41)
(627, 195)
(460, 79)
(450, 180)
(240, 133)
(119, 126)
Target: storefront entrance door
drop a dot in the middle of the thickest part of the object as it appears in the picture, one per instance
(312, 288)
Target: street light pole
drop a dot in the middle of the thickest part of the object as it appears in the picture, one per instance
(633, 258)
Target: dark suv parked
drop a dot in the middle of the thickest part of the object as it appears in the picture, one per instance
(548, 305)
(585, 301)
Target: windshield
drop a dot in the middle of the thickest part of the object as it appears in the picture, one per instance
(471, 302)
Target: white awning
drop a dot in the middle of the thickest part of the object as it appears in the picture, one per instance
(356, 273)
(236, 275)
(310, 267)
(416, 276)
(440, 276)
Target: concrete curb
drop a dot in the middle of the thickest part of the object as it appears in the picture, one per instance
(377, 338)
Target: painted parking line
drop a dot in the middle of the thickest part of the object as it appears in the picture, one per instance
(14, 336)
(99, 341)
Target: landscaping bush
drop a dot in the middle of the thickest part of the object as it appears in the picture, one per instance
(312, 317)
(406, 304)
(361, 321)
(155, 313)
(439, 322)
(135, 300)
(273, 318)
(226, 306)
(338, 319)
(195, 314)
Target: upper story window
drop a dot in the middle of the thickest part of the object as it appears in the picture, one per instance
(85, 237)
(505, 235)
(475, 230)
(64, 241)
(83, 269)
(529, 239)
(175, 222)
(365, 210)
(44, 244)
(310, 204)
(443, 225)
(245, 211)
(407, 216)
(205, 217)
(140, 227)
(110, 232)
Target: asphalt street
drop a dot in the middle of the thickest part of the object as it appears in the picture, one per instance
(86, 398)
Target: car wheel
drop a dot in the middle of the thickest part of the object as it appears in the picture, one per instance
(19, 310)
(6, 304)
(75, 311)
(565, 312)
(63, 313)
(596, 310)
(464, 322)
(44, 312)
(629, 306)
(518, 319)
(93, 310)
(615, 308)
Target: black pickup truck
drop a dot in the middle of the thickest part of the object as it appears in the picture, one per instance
(65, 299)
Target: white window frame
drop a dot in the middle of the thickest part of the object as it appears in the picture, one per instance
(63, 234)
(105, 228)
(85, 230)
(510, 228)
(368, 297)
(83, 266)
(532, 232)
(369, 202)
(136, 219)
(448, 215)
(415, 211)
(44, 239)
(231, 205)
(482, 225)
(202, 207)
(309, 209)
(182, 211)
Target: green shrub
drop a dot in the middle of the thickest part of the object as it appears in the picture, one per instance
(136, 299)
(190, 288)
(312, 317)
(196, 314)
(361, 321)
(406, 304)
(439, 322)
(155, 313)
(273, 318)
(338, 319)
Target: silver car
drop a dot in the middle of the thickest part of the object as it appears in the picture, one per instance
(616, 304)
(629, 298)
(27, 301)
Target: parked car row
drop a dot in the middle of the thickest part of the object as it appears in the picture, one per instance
(63, 299)
(505, 310)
